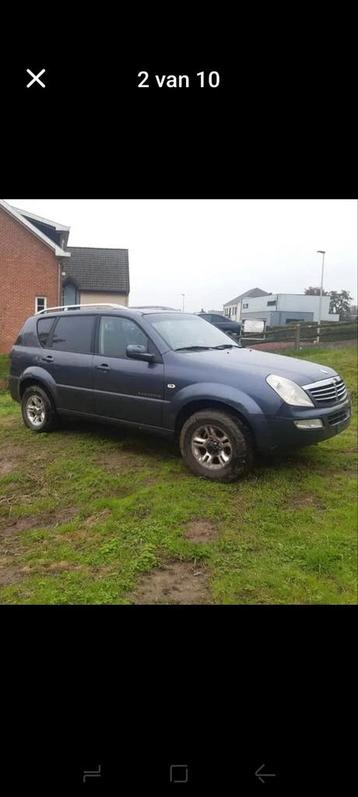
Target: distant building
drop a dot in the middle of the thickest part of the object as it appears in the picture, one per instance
(233, 308)
(278, 309)
(38, 269)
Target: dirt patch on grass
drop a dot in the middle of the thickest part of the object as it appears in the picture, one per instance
(93, 520)
(10, 458)
(49, 567)
(120, 461)
(306, 502)
(201, 531)
(9, 575)
(12, 548)
(11, 527)
(12, 573)
(174, 583)
(6, 467)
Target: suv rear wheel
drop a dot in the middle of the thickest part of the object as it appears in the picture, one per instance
(216, 445)
(37, 410)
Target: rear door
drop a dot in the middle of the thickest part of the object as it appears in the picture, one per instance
(126, 389)
(69, 359)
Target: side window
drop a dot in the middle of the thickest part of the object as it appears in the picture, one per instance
(44, 326)
(73, 333)
(116, 333)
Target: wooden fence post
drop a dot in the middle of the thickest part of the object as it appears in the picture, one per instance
(298, 337)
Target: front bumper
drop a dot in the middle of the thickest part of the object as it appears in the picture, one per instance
(284, 434)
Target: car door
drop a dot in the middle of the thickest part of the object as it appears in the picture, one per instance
(127, 389)
(69, 359)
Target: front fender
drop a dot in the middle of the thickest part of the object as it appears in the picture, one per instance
(216, 392)
(231, 397)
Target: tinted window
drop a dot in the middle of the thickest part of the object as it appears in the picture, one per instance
(44, 326)
(73, 333)
(116, 333)
(218, 318)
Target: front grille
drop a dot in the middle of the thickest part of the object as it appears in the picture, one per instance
(338, 417)
(328, 391)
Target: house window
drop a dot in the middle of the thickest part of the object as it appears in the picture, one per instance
(40, 303)
(245, 306)
(272, 303)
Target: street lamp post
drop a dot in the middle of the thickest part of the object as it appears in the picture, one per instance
(320, 252)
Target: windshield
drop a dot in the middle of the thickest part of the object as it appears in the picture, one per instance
(182, 331)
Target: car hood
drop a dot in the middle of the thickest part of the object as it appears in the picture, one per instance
(260, 363)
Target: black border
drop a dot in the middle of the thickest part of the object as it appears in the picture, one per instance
(74, 678)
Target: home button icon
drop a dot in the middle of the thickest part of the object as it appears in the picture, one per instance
(179, 773)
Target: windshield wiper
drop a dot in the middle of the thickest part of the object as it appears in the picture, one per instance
(227, 346)
(193, 348)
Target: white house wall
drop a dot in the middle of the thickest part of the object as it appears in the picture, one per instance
(287, 303)
(91, 297)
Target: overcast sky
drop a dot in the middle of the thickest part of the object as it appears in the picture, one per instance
(213, 250)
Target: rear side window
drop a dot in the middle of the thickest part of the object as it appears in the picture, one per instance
(44, 326)
(73, 333)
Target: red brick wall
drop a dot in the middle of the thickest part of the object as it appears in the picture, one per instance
(28, 268)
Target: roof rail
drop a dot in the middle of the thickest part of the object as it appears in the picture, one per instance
(66, 307)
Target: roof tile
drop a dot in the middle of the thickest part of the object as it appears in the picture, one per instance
(96, 269)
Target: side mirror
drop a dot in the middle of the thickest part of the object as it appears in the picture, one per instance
(136, 352)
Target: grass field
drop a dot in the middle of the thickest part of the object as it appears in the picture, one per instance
(92, 514)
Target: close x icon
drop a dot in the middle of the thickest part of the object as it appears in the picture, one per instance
(35, 78)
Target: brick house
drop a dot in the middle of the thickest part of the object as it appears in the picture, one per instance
(38, 269)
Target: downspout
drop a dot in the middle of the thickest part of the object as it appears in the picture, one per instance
(59, 283)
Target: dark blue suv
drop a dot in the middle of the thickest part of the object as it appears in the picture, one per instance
(175, 374)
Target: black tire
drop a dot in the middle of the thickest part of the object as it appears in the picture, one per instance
(238, 451)
(42, 419)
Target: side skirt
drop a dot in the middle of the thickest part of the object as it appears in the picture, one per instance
(158, 430)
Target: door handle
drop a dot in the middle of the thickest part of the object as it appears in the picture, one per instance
(48, 358)
(103, 367)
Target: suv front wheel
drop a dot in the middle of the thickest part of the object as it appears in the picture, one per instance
(37, 410)
(216, 445)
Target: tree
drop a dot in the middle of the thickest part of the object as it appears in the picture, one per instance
(340, 303)
(314, 292)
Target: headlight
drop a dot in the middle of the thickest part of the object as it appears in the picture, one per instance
(289, 392)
